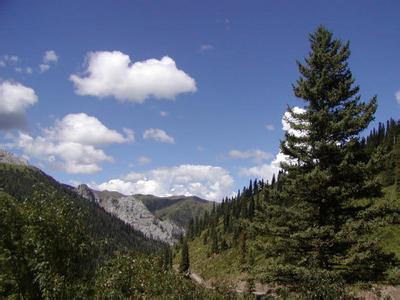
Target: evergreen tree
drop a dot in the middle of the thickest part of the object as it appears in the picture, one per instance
(251, 208)
(184, 263)
(315, 224)
(397, 161)
(243, 247)
(214, 241)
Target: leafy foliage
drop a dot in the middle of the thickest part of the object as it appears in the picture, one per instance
(137, 276)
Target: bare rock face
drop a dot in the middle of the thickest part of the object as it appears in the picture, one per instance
(84, 191)
(133, 212)
(9, 158)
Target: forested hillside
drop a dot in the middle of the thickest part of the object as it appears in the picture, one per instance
(179, 209)
(331, 218)
(56, 245)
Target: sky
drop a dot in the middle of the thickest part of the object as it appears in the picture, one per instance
(173, 97)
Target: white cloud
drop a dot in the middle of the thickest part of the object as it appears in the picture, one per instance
(206, 48)
(144, 160)
(163, 113)
(255, 154)
(67, 156)
(13, 58)
(28, 70)
(15, 98)
(264, 171)
(398, 97)
(9, 60)
(158, 135)
(44, 68)
(72, 144)
(209, 182)
(113, 74)
(50, 56)
(83, 129)
(270, 127)
(288, 117)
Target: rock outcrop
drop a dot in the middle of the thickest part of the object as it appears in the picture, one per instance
(133, 212)
(84, 191)
(9, 158)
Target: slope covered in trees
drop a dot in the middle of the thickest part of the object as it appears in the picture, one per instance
(56, 245)
(324, 222)
(179, 209)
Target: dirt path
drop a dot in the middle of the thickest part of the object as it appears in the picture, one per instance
(390, 292)
(199, 280)
(240, 288)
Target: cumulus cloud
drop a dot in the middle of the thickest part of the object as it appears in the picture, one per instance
(72, 144)
(158, 135)
(49, 57)
(11, 59)
(43, 68)
(83, 129)
(266, 170)
(163, 113)
(209, 182)
(256, 155)
(112, 74)
(15, 98)
(144, 160)
(288, 118)
(397, 95)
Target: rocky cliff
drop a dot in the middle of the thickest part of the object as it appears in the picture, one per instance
(133, 212)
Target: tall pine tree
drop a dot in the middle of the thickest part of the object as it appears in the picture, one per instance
(397, 165)
(184, 262)
(317, 224)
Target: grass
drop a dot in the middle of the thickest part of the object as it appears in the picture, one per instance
(389, 235)
(226, 264)
(223, 266)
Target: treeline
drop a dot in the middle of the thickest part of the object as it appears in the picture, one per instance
(234, 214)
(384, 141)
(315, 226)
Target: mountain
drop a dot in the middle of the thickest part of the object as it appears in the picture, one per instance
(132, 211)
(27, 183)
(53, 241)
(179, 209)
(57, 244)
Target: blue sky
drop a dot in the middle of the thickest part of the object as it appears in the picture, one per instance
(233, 65)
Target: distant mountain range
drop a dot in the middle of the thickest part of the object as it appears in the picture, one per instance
(158, 218)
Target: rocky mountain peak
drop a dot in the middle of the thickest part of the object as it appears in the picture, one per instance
(10, 158)
(84, 191)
